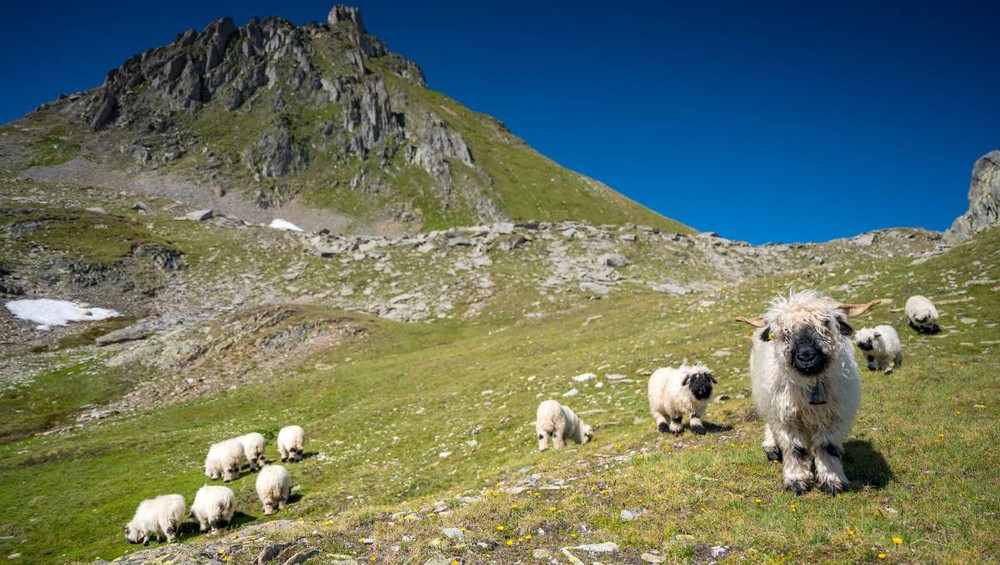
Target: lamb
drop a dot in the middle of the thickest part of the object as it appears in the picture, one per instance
(291, 443)
(160, 516)
(213, 507)
(253, 449)
(922, 314)
(882, 348)
(273, 487)
(225, 459)
(675, 392)
(806, 386)
(561, 423)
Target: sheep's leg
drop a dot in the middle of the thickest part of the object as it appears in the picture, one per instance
(872, 365)
(830, 477)
(696, 426)
(559, 437)
(676, 425)
(797, 469)
(770, 445)
(661, 422)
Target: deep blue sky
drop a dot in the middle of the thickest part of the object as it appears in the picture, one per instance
(763, 121)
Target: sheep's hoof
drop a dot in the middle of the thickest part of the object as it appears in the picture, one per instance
(700, 430)
(831, 488)
(798, 487)
(677, 432)
(773, 454)
(663, 427)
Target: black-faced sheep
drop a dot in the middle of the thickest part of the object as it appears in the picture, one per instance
(806, 386)
(160, 517)
(676, 392)
(560, 422)
(253, 449)
(274, 484)
(921, 314)
(213, 507)
(224, 460)
(291, 443)
(881, 348)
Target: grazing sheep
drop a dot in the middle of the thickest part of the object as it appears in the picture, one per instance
(160, 516)
(922, 314)
(273, 487)
(881, 348)
(675, 392)
(253, 449)
(225, 459)
(561, 423)
(291, 443)
(806, 386)
(213, 507)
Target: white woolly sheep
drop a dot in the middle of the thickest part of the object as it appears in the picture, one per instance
(160, 517)
(881, 348)
(291, 443)
(675, 392)
(253, 449)
(806, 386)
(922, 314)
(213, 507)
(561, 423)
(225, 459)
(274, 484)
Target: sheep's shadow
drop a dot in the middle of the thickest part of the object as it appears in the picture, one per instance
(293, 498)
(240, 518)
(711, 428)
(865, 466)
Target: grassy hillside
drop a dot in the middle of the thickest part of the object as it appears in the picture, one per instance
(416, 427)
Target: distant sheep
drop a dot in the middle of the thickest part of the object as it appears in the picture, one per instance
(561, 423)
(160, 517)
(253, 449)
(291, 443)
(922, 314)
(806, 386)
(225, 460)
(213, 507)
(675, 392)
(274, 484)
(881, 348)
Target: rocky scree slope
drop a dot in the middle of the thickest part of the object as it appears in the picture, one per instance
(322, 115)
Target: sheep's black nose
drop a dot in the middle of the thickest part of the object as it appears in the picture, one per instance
(806, 355)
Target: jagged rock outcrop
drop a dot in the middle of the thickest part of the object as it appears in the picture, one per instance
(984, 200)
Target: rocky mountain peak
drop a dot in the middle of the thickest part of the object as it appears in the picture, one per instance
(984, 199)
(341, 13)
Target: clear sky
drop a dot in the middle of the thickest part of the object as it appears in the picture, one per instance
(762, 121)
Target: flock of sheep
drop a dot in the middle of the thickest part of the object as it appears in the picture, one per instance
(804, 381)
(215, 505)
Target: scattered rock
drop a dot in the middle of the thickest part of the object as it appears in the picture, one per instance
(605, 547)
(613, 260)
(199, 215)
(652, 558)
(131, 333)
(594, 288)
(453, 533)
(630, 515)
(584, 377)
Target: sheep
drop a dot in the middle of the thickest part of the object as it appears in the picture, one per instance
(675, 392)
(561, 423)
(291, 443)
(273, 487)
(806, 386)
(253, 449)
(225, 459)
(160, 516)
(213, 507)
(922, 315)
(881, 348)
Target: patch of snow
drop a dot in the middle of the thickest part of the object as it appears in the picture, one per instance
(280, 224)
(47, 312)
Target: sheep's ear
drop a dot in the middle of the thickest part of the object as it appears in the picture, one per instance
(845, 328)
(713, 379)
(685, 380)
(855, 310)
(877, 335)
(757, 322)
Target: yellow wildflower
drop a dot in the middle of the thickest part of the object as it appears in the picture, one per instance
(897, 541)
(499, 528)
(510, 542)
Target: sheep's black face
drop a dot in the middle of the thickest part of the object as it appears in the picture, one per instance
(700, 385)
(806, 352)
(865, 345)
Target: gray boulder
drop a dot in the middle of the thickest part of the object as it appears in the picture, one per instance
(984, 200)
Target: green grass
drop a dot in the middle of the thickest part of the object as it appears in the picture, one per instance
(380, 410)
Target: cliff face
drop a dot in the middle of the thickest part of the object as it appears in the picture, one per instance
(984, 199)
(324, 114)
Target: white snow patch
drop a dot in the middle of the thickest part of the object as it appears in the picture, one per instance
(47, 312)
(280, 224)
